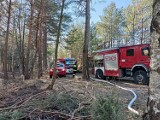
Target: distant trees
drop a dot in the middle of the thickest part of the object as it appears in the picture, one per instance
(31, 22)
(129, 25)
(137, 21)
(74, 41)
(27, 76)
(110, 26)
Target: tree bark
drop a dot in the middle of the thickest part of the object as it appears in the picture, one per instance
(50, 87)
(45, 48)
(142, 32)
(154, 86)
(22, 52)
(40, 40)
(85, 71)
(6, 43)
(44, 27)
(133, 26)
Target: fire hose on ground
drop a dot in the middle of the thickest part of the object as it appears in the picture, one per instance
(126, 89)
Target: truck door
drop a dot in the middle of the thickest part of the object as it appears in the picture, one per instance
(111, 64)
(127, 57)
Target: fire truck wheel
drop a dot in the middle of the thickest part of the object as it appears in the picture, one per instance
(99, 74)
(140, 77)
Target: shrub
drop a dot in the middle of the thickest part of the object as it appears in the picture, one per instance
(66, 103)
(15, 115)
(4, 116)
(106, 109)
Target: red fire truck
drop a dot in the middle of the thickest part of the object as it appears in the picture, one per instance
(126, 61)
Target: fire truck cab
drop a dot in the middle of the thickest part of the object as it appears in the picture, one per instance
(126, 61)
(70, 64)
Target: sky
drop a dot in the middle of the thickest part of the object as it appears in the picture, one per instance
(99, 5)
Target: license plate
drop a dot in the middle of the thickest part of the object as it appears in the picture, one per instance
(70, 70)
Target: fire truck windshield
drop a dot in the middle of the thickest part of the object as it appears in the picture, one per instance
(98, 63)
(70, 62)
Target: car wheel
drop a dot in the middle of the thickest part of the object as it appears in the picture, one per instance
(140, 77)
(99, 74)
(51, 76)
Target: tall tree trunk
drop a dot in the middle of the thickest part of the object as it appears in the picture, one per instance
(6, 43)
(45, 48)
(133, 26)
(1, 49)
(56, 47)
(154, 86)
(29, 41)
(22, 52)
(13, 48)
(40, 53)
(142, 32)
(20, 45)
(111, 35)
(37, 38)
(40, 40)
(44, 39)
(1, 59)
(86, 42)
(13, 61)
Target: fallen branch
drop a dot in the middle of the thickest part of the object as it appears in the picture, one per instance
(53, 113)
(88, 117)
(22, 102)
(81, 106)
(31, 113)
(60, 114)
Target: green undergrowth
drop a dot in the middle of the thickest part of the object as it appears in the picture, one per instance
(101, 108)
(106, 109)
(14, 115)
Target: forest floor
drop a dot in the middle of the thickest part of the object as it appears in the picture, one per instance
(70, 99)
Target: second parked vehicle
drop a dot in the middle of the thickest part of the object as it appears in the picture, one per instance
(60, 70)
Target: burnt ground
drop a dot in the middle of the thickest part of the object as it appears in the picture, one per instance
(18, 93)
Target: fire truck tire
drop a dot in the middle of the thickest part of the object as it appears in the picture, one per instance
(99, 74)
(140, 77)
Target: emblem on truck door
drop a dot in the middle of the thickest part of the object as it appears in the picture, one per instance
(123, 60)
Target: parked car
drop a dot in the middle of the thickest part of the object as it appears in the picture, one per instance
(60, 70)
